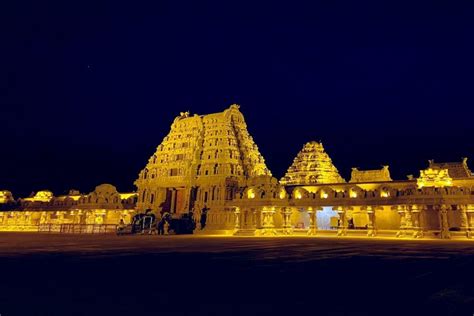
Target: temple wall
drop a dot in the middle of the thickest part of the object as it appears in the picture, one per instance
(359, 217)
(387, 218)
(430, 219)
(103, 206)
(278, 219)
(299, 218)
(220, 220)
(454, 218)
(14, 220)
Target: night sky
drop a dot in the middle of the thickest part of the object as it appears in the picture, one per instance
(89, 89)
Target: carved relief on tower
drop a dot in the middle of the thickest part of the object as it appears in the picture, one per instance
(200, 152)
(434, 178)
(312, 165)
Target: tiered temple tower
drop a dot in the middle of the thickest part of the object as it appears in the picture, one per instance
(312, 165)
(201, 162)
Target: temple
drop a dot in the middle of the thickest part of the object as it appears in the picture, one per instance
(202, 162)
(211, 162)
(96, 212)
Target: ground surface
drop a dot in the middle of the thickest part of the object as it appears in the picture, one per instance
(44, 274)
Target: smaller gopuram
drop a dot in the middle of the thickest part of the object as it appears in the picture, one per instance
(312, 165)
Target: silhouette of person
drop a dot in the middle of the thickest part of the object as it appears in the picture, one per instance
(121, 226)
(204, 217)
(351, 223)
(161, 226)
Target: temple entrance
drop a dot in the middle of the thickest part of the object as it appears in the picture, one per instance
(174, 200)
(327, 218)
(179, 205)
(192, 197)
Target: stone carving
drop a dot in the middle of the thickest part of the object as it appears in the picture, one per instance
(6, 197)
(202, 162)
(380, 175)
(40, 196)
(434, 178)
(312, 165)
(456, 170)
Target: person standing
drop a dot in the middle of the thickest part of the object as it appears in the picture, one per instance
(161, 226)
(204, 217)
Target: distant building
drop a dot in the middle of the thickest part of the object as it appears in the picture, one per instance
(93, 211)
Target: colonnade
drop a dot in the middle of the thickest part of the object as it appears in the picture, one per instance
(413, 220)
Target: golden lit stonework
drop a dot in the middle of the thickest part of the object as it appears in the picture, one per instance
(202, 161)
(312, 165)
(380, 175)
(434, 178)
(95, 212)
(6, 197)
(41, 196)
(209, 164)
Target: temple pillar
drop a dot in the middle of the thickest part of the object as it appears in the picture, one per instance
(406, 223)
(465, 227)
(371, 227)
(443, 221)
(313, 224)
(286, 214)
(268, 224)
(254, 219)
(470, 220)
(238, 221)
(342, 227)
(416, 220)
(410, 221)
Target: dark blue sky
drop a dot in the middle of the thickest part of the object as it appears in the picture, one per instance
(88, 90)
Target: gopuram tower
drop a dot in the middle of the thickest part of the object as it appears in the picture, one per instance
(201, 162)
(312, 165)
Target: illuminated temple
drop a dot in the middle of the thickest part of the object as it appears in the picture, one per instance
(212, 162)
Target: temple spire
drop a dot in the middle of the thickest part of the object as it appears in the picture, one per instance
(312, 165)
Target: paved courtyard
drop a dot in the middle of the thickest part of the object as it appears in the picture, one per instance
(45, 274)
